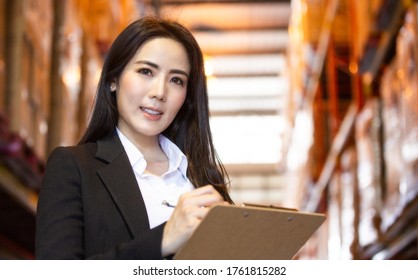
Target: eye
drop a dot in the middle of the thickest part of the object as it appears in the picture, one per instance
(177, 81)
(145, 71)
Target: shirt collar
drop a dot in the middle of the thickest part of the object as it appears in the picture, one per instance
(136, 158)
(177, 160)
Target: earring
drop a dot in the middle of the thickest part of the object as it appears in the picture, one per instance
(112, 87)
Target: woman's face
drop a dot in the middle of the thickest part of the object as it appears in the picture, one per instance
(152, 88)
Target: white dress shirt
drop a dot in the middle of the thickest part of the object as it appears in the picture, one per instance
(156, 189)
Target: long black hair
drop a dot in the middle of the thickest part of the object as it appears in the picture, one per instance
(190, 129)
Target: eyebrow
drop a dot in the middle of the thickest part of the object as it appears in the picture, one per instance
(152, 64)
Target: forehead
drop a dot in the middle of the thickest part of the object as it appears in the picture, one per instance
(164, 51)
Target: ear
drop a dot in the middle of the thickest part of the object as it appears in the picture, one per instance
(113, 87)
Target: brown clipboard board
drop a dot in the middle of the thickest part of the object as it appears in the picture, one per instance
(250, 233)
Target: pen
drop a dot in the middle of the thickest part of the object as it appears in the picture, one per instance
(169, 203)
(173, 204)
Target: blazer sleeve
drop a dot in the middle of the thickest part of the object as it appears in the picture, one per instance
(60, 221)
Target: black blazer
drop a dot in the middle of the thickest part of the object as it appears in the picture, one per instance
(90, 206)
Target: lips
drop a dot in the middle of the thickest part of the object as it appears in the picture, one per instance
(152, 113)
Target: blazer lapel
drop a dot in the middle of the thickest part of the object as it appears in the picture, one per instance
(120, 181)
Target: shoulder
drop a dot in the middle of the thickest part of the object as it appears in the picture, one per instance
(83, 151)
(62, 157)
(70, 164)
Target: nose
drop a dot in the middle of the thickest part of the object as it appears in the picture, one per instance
(159, 90)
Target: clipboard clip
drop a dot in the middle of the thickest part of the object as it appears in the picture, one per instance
(244, 204)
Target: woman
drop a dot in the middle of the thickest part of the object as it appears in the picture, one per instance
(148, 143)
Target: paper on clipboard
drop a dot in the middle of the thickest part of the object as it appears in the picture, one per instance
(250, 233)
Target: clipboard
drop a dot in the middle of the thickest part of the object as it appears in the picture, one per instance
(250, 233)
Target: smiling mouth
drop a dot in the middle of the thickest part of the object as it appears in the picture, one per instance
(151, 111)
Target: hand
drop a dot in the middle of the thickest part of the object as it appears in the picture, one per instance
(191, 208)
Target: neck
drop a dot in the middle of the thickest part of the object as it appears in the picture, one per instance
(148, 145)
(157, 160)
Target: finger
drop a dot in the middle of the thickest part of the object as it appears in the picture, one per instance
(208, 189)
(201, 200)
(201, 212)
(207, 200)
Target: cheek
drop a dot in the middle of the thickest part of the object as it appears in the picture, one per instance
(127, 102)
(129, 93)
(129, 85)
